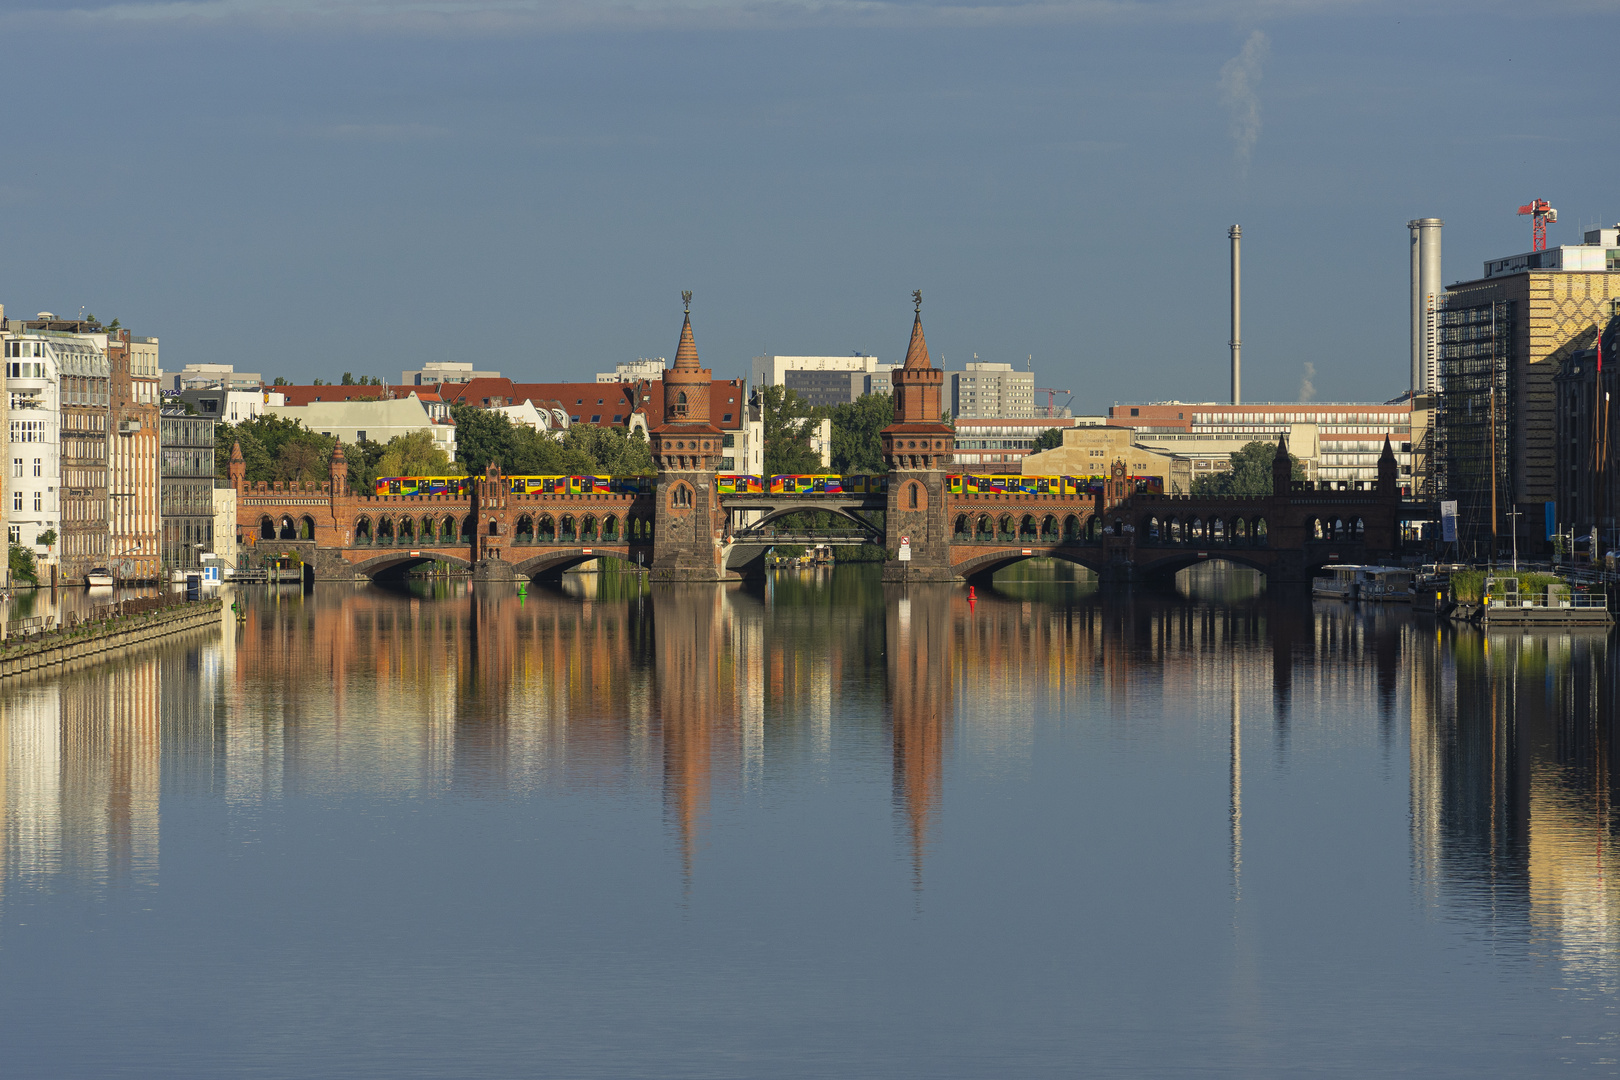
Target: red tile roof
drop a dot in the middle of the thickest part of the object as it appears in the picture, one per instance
(610, 403)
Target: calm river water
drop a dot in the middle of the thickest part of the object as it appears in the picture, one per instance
(817, 829)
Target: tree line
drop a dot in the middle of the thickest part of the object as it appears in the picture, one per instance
(278, 448)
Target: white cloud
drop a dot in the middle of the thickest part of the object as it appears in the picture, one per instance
(1307, 388)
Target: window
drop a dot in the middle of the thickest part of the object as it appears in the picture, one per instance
(596, 418)
(618, 417)
(681, 496)
(37, 471)
(14, 534)
(1136, 412)
(16, 466)
(38, 502)
(16, 500)
(360, 436)
(728, 441)
(728, 418)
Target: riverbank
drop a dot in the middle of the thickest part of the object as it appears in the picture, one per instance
(84, 639)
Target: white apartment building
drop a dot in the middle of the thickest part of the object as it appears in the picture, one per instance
(435, 372)
(231, 406)
(34, 368)
(992, 391)
(378, 421)
(634, 371)
(193, 376)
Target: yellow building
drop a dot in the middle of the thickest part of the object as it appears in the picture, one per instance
(1179, 457)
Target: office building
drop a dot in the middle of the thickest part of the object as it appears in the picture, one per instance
(986, 390)
(85, 397)
(1504, 338)
(186, 487)
(1349, 437)
(998, 444)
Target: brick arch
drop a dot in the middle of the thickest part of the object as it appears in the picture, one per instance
(385, 564)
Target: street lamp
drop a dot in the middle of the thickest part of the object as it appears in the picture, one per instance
(1515, 514)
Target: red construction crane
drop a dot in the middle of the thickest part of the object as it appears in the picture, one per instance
(1540, 212)
(1050, 394)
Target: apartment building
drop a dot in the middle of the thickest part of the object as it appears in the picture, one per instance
(135, 521)
(992, 391)
(186, 487)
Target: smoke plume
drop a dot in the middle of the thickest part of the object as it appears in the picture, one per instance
(1240, 77)
(1307, 389)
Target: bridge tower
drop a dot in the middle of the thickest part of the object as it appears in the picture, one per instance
(688, 522)
(919, 449)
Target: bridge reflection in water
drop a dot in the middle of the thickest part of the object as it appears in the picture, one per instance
(715, 701)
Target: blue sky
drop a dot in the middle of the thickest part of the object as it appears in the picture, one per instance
(362, 185)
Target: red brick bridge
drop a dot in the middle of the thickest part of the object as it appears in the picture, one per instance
(1122, 536)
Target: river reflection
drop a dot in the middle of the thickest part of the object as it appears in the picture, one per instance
(1235, 714)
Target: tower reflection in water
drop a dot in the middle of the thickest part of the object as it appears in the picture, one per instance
(697, 699)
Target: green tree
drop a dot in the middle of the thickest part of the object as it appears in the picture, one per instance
(1250, 473)
(48, 538)
(787, 427)
(416, 454)
(348, 379)
(301, 459)
(263, 439)
(1050, 439)
(484, 436)
(365, 461)
(281, 381)
(21, 561)
(612, 450)
(857, 433)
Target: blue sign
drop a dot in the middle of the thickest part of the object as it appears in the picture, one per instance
(1552, 520)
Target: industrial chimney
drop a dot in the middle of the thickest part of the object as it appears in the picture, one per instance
(1426, 290)
(1235, 234)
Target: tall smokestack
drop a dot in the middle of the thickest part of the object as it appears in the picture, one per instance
(1426, 292)
(1235, 234)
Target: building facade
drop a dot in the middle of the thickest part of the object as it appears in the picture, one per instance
(1504, 338)
(992, 391)
(33, 373)
(855, 375)
(85, 396)
(135, 520)
(230, 406)
(1349, 436)
(186, 488)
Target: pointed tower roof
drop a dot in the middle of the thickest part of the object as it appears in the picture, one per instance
(686, 357)
(917, 351)
(236, 452)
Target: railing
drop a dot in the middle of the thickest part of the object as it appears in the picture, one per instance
(29, 628)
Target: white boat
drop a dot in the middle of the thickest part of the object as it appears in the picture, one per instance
(99, 578)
